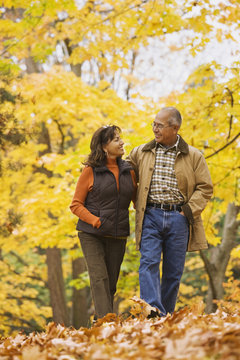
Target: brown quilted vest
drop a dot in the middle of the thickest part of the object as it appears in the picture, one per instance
(106, 202)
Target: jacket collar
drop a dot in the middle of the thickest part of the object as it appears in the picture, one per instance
(122, 164)
(149, 146)
(182, 146)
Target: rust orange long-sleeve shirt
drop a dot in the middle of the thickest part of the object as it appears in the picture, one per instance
(84, 186)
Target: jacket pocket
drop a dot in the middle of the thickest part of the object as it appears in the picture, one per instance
(106, 227)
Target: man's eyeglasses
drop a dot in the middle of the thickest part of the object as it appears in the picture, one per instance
(159, 126)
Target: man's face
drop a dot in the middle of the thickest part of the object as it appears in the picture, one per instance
(164, 133)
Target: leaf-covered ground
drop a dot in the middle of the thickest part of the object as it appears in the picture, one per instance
(187, 334)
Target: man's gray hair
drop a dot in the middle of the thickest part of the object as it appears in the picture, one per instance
(175, 116)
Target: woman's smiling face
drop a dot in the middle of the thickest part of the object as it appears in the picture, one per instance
(114, 148)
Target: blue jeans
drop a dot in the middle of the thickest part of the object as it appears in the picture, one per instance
(164, 233)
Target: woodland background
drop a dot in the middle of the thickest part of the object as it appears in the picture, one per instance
(68, 67)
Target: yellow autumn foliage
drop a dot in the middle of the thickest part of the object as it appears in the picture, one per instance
(47, 122)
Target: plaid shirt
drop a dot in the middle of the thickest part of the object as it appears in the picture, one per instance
(164, 187)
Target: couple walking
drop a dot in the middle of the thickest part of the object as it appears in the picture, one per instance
(170, 185)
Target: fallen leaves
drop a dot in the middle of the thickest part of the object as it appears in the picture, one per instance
(142, 309)
(188, 334)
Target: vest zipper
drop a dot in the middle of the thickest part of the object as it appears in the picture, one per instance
(118, 196)
(117, 200)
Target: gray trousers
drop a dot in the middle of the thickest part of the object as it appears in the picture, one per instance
(104, 256)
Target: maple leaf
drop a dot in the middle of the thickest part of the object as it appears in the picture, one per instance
(188, 334)
(142, 309)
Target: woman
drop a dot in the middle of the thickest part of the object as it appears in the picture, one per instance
(101, 200)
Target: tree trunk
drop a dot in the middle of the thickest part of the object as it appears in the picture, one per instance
(56, 286)
(68, 49)
(32, 66)
(54, 260)
(132, 66)
(77, 69)
(216, 263)
(80, 316)
(116, 302)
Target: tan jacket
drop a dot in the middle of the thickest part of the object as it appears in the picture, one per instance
(194, 182)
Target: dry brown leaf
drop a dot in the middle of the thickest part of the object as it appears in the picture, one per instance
(107, 318)
(188, 334)
(33, 352)
(141, 308)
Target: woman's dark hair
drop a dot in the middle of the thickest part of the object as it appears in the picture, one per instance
(101, 137)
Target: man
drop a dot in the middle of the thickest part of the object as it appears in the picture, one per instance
(174, 188)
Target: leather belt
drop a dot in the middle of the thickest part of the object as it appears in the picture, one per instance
(167, 207)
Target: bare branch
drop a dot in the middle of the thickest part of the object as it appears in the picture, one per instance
(231, 116)
(223, 147)
(231, 96)
(227, 174)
